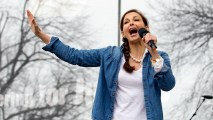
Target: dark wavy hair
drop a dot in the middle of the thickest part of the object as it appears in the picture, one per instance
(126, 48)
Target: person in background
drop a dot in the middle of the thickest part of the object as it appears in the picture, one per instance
(131, 76)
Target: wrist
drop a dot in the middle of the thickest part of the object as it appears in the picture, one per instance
(44, 37)
(37, 31)
(155, 58)
(155, 55)
(39, 34)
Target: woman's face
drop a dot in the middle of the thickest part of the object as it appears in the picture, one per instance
(131, 24)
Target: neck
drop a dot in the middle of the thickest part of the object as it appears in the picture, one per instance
(137, 50)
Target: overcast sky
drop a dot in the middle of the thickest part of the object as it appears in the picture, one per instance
(103, 19)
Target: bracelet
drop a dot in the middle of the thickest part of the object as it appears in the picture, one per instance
(155, 60)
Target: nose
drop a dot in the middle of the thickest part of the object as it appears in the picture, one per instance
(131, 23)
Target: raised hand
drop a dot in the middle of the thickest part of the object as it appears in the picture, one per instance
(33, 24)
(35, 28)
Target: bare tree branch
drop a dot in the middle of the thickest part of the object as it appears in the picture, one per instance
(20, 56)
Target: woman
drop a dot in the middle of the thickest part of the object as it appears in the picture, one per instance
(131, 76)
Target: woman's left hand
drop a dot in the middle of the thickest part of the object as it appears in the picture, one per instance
(152, 51)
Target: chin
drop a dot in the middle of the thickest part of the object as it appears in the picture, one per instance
(134, 40)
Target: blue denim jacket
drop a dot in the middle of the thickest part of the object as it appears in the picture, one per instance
(109, 60)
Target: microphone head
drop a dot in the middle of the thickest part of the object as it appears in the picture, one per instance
(142, 32)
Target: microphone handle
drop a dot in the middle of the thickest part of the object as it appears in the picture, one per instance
(142, 32)
(152, 44)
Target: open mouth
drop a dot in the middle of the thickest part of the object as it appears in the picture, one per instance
(133, 31)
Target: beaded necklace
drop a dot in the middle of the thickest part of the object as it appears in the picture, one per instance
(135, 59)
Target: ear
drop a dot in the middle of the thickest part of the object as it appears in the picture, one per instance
(122, 33)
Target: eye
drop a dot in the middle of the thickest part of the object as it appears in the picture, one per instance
(137, 19)
(125, 22)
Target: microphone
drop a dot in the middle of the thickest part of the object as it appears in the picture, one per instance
(142, 32)
(207, 96)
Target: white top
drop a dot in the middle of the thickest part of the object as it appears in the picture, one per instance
(129, 102)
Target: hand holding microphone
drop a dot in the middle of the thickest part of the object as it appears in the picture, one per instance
(142, 32)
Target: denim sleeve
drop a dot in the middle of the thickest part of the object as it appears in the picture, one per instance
(165, 78)
(85, 58)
